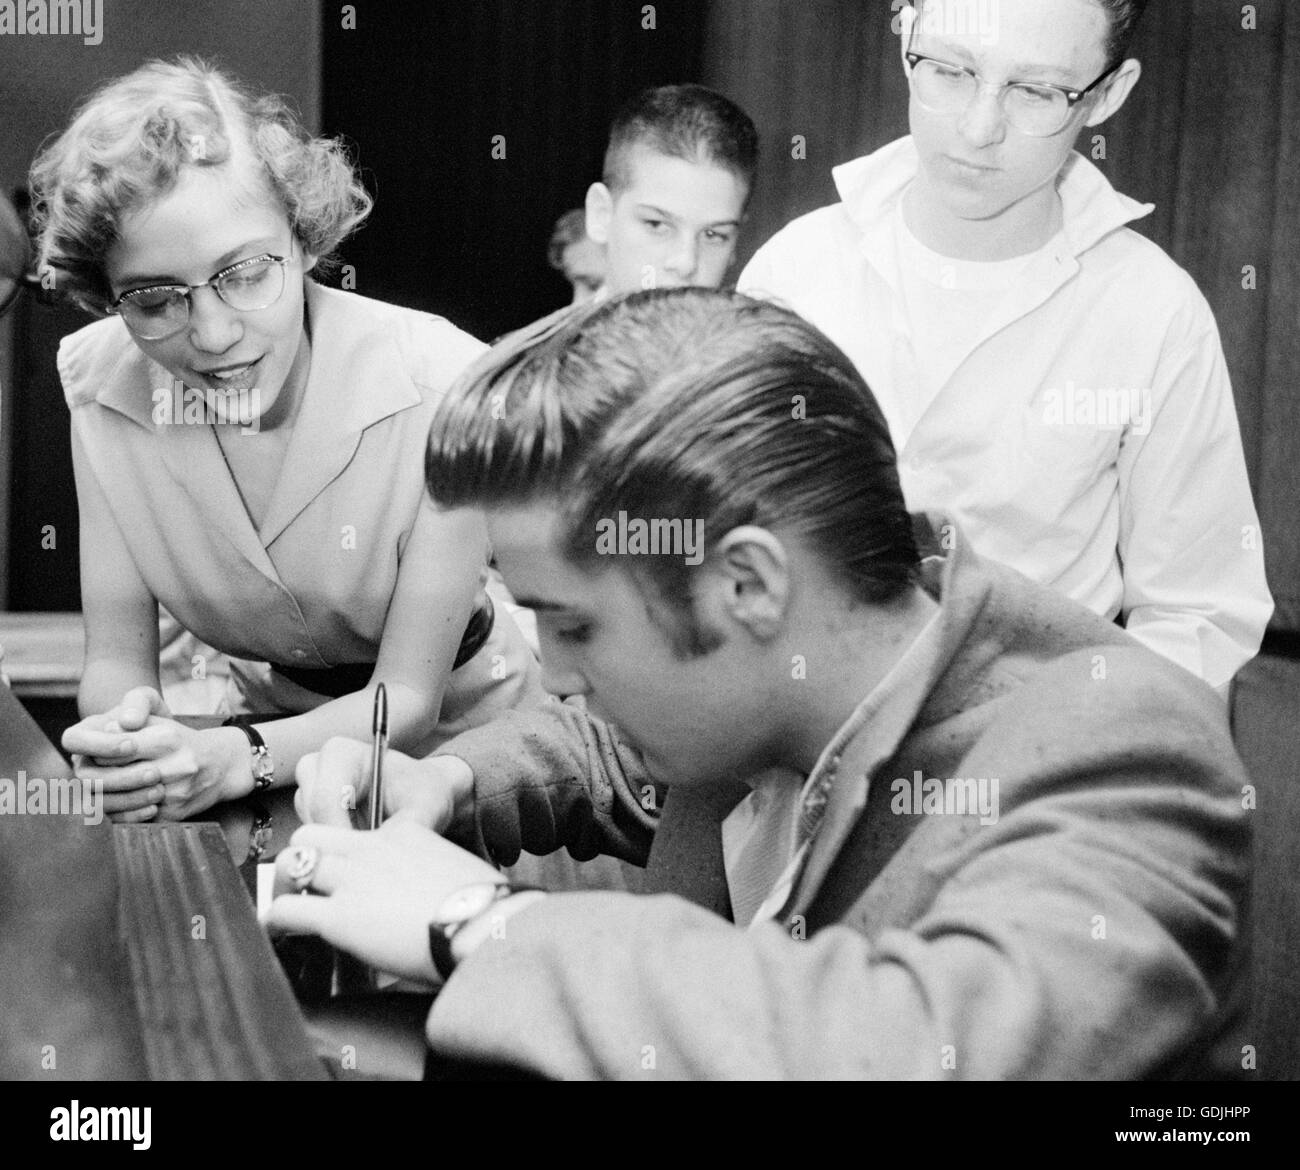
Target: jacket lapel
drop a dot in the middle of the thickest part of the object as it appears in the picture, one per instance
(686, 856)
(880, 729)
(919, 688)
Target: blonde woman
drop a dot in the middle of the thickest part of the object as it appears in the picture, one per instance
(249, 448)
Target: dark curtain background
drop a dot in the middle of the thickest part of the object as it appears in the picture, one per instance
(1210, 136)
(424, 89)
(44, 548)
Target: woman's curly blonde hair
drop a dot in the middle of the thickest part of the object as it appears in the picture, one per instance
(128, 143)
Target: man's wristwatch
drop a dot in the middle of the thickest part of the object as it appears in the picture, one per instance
(263, 765)
(457, 912)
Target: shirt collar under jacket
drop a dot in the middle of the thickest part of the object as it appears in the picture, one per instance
(981, 642)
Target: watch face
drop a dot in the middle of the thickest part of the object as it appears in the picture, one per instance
(467, 902)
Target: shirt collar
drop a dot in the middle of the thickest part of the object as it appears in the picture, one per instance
(888, 710)
(928, 683)
(871, 187)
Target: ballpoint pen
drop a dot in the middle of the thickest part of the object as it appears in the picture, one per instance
(351, 975)
(380, 731)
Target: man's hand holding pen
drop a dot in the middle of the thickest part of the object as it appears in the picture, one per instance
(334, 787)
(379, 889)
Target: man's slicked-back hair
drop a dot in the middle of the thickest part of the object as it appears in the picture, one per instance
(688, 122)
(681, 404)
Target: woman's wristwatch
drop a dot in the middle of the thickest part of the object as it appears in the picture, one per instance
(458, 911)
(263, 765)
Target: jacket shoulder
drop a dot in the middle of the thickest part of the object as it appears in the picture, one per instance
(1120, 704)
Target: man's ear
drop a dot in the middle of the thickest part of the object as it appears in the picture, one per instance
(600, 210)
(748, 582)
(1115, 92)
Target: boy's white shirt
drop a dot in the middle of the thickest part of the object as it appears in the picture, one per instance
(1155, 482)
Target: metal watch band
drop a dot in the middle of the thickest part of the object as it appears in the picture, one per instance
(441, 934)
(263, 765)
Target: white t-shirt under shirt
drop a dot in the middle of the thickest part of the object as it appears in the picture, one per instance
(947, 302)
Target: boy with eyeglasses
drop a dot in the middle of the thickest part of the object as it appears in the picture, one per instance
(1051, 378)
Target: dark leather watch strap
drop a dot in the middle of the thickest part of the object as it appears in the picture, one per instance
(257, 745)
(442, 934)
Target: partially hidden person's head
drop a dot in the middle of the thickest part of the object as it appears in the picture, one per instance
(677, 178)
(690, 488)
(1048, 68)
(175, 175)
(575, 254)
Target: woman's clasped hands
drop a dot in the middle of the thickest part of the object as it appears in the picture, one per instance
(150, 766)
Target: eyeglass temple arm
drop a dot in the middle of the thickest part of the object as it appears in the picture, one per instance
(1083, 93)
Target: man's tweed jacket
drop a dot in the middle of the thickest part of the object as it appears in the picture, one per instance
(1091, 931)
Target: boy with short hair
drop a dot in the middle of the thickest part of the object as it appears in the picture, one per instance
(677, 176)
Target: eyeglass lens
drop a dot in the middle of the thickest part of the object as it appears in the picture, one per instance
(156, 314)
(1034, 110)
